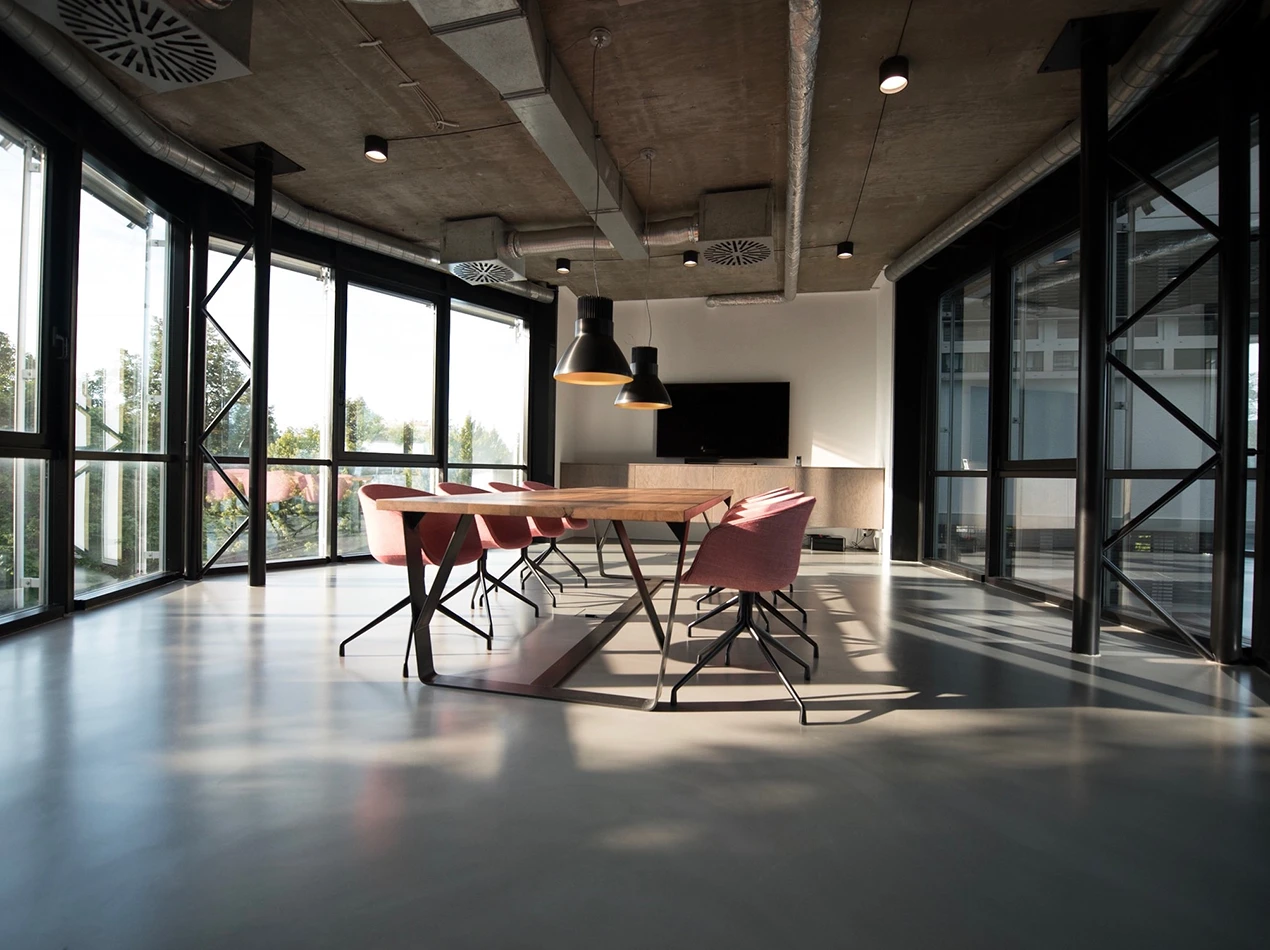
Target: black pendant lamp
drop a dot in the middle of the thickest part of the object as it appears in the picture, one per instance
(593, 358)
(645, 391)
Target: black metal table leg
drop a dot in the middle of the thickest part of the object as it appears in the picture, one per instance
(424, 602)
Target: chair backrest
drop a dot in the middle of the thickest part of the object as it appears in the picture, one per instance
(541, 527)
(767, 497)
(383, 528)
(497, 531)
(386, 541)
(758, 550)
(573, 524)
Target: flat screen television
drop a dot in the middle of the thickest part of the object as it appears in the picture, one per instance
(725, 420)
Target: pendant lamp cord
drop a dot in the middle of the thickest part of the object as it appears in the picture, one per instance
(595, 160)
(878, 128)
(648, 268)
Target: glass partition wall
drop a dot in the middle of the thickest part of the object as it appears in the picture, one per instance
(1004, 509)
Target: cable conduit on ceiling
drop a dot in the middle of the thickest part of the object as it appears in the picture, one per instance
(60, 57)
(1155, 53)
(804, 43)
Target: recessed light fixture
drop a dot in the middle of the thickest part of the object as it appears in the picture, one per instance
(690, 258)
(562, 265)
(376, 149)
(846, 250)
(893, 75)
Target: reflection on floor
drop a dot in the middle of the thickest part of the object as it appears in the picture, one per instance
(197, 768)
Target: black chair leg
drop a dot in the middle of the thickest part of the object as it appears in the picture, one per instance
(555, 549)
(487, 637)
(815, 648)
(789, 600)
(711, 652)
(714, 613)
(515, 593)
(773, 642)
(802, 710)
(543, 577)
(707, 595)
(404, 602)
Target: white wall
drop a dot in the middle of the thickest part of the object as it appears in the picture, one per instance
(834, 349)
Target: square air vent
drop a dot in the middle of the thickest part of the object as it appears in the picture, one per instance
(473, 251)
(166, 46)
(736, 227)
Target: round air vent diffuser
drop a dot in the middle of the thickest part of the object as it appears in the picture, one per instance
(737, 253)
(483, 272)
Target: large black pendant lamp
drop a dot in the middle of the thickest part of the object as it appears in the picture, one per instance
(645, 391)
(593, 358)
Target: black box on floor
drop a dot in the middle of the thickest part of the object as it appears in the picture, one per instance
(827, 542)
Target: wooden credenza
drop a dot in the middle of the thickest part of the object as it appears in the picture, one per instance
(845, 497)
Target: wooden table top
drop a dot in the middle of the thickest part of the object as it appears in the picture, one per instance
(672, 505)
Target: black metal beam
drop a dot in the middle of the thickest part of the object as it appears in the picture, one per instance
(258, 467)
(1000, 309)
(1230, 500)
(197, 404)
(1261, 560)
(1095, 229)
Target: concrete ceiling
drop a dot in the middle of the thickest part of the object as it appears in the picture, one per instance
(703, 83)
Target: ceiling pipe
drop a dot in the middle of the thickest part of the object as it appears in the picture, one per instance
(1153, 56)
(804, 42)
(59, 56)
(670, 233)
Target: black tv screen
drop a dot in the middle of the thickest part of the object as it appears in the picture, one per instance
(725, 420)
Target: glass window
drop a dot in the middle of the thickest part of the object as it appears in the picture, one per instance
(1043, 404)
(301, 336)
(1040, 522)
(390, 373)
(962, 440)
(119, 522)
(352, 536)
(961, 505)
(22, 487)
(489, 388)
(21, 242)
(120, 346)
(121, 386)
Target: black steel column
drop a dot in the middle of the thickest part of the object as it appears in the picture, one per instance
(1230, 505)
(1000, 310)
(1261, 562)
(1095, 227)
(257, 467)
(195, 483)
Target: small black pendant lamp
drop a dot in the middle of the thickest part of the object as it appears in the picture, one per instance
(593, 358)
(645, 391)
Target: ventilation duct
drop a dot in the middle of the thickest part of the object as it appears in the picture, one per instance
(63, 60)
(804, 43)
(1152, 57)
(474, 250)
(503, 40)
(165, 46)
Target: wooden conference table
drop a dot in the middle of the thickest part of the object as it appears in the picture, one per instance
(675, 507)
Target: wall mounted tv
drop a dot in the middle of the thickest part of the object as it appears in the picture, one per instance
(725, 421)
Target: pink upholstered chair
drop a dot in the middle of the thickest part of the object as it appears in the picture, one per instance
(387, 543)
(538, 528)
(573, 524)
(497, 532)
(753, 550)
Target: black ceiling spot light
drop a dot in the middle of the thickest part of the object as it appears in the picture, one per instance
(893, 75)
(593, 358)
(690, 258)
(562, 266)
(646, 390)
(846, 250)
(376, 149)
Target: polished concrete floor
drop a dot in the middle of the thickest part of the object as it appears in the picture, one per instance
(197, 768)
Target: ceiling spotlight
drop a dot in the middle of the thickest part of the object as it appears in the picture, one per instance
(893, 75)
(690, 258)
(562, 265)
(1063, 257)
(846, 250)
(377, 149)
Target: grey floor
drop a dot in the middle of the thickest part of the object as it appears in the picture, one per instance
(197, 768)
